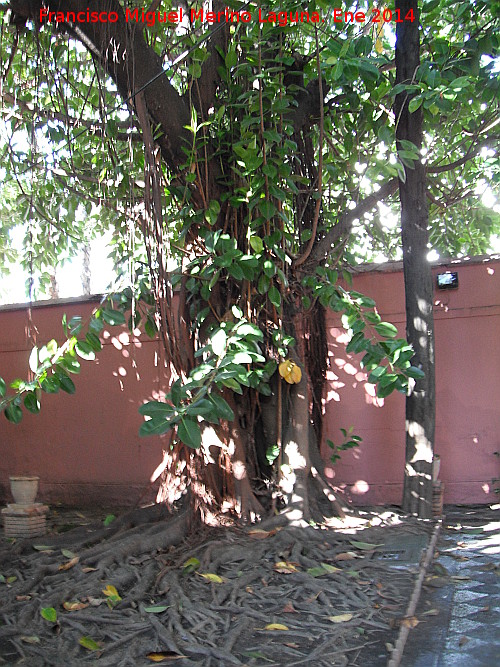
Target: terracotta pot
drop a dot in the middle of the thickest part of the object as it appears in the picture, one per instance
(24, 489)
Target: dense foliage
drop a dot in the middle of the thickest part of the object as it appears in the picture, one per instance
(251, 156)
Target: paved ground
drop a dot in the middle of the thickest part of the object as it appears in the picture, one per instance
(459, 610)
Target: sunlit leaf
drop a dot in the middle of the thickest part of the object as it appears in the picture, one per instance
(276, 626)
(340, 618)
(214, 578)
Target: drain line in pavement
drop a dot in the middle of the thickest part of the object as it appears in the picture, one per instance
(397, 652)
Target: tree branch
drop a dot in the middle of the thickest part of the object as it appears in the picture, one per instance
(471, 152)
(129, 61)
(344, 226)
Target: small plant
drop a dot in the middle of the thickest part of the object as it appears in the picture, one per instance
(350, 441)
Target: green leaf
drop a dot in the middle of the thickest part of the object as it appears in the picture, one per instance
(274, 296)
(267, 209)
(224, 411)
(154, 427)
(66, 383)
(415, 373)
(156, 409)
(415, 103)
(189, 432)
(13, 413)
(93, 341)
(85, 350)
(49, 614)
(89, 643)
(31, 403)
(386, 329)
(70, 364)
(113, 317)
(3, 388)
(364, 546)
(256, 243)
(157, 609)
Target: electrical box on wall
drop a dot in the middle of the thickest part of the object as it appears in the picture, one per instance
(448, 280)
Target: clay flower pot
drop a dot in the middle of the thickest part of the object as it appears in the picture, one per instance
(24, 489)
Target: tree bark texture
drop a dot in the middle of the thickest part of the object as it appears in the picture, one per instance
(420, 403)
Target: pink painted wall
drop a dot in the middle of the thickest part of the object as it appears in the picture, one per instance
(86, 447)
(467, 334)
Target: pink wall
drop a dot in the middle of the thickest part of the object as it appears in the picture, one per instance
(467, 331)
(86, 447)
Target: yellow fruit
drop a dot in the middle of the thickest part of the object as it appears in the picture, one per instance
(290, 371)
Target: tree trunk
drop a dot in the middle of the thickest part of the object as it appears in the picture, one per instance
(420, 403)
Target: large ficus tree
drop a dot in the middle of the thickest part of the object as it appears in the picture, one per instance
(243, 154)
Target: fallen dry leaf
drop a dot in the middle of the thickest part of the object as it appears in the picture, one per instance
(410, 622)
(340, 618)
(23, 598)
(214, 578)
(289, 609)
(259, 534)
(75, 606)
(276, 626)
(347, 555)
(284, 567)
(485, 608)
(71, 563)
(89, 569)
(462, 641)
(431, 612)
(164, 656)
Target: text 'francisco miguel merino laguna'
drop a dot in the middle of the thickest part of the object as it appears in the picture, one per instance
(150, 18)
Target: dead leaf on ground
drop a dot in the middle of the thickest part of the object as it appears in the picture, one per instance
(389, 647)
(32, 639)
(347, 555)
(23, 598)
(164, 656)
(209, 576)
(410, 622)
(276, 626)
(485, 608)
(431, 612)
(340, 618)
(462, 641)
(259, 534)
(71, 563)
(75, 606)
(284, 567)
(289, 609)
(459, 577)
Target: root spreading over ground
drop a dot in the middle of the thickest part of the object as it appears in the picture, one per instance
(126, 596)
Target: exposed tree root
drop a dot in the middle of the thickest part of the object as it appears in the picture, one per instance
(266, 577)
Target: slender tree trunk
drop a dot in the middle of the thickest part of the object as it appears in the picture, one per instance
(420, 403)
